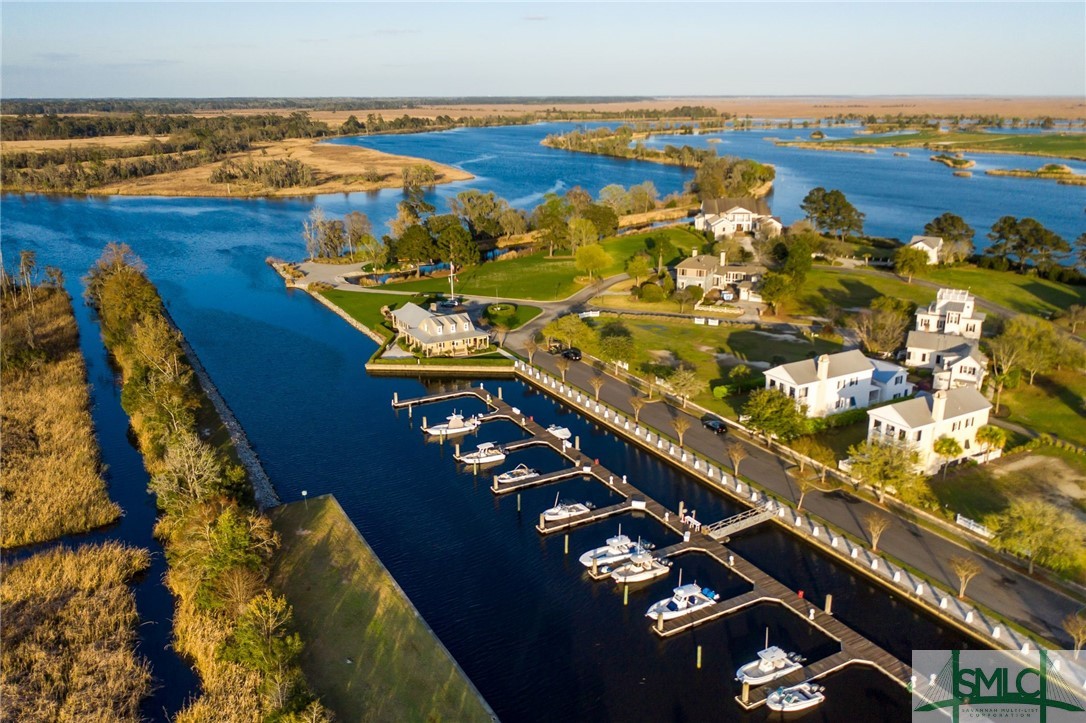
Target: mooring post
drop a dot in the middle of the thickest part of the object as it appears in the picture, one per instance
(499, 392)
(424, 424)
(410, 410)
(595, 567)
(829, 604)
(457, 449)
(395, 397)
(541, 521)
(659, 622)
(746, 692)
(577, 442)
(682, 508)
(494, 486)
(699, 657)
(567, 543)
(518, 502)
(625, 594)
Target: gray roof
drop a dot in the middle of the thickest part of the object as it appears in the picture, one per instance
(717, 206)
(936, 342)
(841, 365)
(932, 242)
(955, 306)
(411, 314)
(423, 326)
(916, 412)
(701, 261)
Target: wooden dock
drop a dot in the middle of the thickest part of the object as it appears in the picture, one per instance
(764, 588)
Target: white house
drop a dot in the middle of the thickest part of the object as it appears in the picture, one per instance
(931, 245)
(713, 272)
(952, 312)
(438, 334)
(726, 216)
(919, 422)
(835, 383)
(954, 360)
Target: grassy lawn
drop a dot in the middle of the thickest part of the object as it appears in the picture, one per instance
(347, 606)
(365, 306)
(521, 315)
(1054, 404)
(1070, 145)
(547, 278)
(845, 288)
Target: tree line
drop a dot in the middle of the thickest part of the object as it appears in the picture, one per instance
(228, 622)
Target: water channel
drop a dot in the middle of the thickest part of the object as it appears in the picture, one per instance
(539, 640)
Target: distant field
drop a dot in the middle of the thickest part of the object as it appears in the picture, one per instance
(53, 145)
(545, 278)
(1063, 145)
(368, 654)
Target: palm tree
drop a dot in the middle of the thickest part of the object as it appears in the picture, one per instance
(992, 437)
(637, 404)
(680, 424)
(948, 448)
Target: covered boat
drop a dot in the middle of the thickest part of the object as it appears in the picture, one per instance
(454, 426)
(518, 474)
(617, 549)
(639, 568)
(564, 510)
(687, 599)
(772, 663)
(485, 453)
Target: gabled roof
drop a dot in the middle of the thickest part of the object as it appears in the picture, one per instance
(702, 261)
(411, 314)
(884, 370)
(932, 242)
(840, 365)
(933, 341)
(916, 412)
(718, 206)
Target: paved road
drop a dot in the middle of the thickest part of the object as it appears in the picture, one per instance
(1012, 594)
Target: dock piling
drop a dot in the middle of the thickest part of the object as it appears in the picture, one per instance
(595, 567)
(457, 449)
(518, 499)
(424, 424)
(499, 392)
(829, 603)
(542, 522)
(577, 442)
(494, 488)
(682, 508)
(659, 623)
(699, 657)
(746, 692)
(625, 595)
(567, 544)
(396, 398)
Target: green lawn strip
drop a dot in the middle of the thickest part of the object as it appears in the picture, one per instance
(480, 361)
(1053, 405)
(845, 289)
(1071, 145)
(547, 278)
(347, 607)
(365, 306)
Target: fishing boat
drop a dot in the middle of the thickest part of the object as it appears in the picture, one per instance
(639, 568)
(454, 426)
(617, 549)
(559, 432)
(518, 474)
(772, 663)
(685, 600)
(565, 510)
(485, 453)
(796, 697)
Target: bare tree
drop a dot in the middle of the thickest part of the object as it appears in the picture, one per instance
(876, 524)
(637, 404)
(1075, 625)
(313, 232)
(597, 383)
(531, 346)
(966, 568)
(1076, 314)
(805, 482)
(563, 367)
(736, 453)
(680, 424)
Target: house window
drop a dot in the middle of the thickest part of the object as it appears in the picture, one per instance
(901, 435)
(772, 383)
(919, 435)
(877, 424)
(924, 358)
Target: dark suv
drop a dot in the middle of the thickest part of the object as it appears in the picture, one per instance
(573, 354)
(715, 425)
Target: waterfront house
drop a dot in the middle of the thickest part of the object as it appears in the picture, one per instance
(710, 271)
(953, 359)
(835, 383)
(919, 422)
(438, 334)
(931, 245)
(728, 216)
(952, 312)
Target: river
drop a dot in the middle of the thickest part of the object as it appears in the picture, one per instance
(539, 640)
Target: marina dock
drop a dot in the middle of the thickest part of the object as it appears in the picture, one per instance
(705, 539)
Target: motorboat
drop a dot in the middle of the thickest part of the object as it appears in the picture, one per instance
(454, 426)
(562, 433)
(564, 510)
(639, 568)
(518, 474)
(687, 599)
(485, 453)
(796, 697)
(771, 664)
(617, 549)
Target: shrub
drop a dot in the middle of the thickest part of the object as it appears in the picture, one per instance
(722, 391)
(650, 292)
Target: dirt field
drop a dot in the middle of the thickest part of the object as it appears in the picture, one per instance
(110, 141)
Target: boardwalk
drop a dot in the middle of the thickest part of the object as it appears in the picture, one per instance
(764, 588)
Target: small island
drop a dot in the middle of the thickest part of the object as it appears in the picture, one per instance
(1058, 172)
(953, 161)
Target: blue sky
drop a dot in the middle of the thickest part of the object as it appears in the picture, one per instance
(135, 49)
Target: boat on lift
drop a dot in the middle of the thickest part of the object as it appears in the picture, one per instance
(617, 549)
(772, 663)
(562, 433)
(519, 473)
(685, 600)
(796, 697)
(564, 510)
(485, 453)
(454, 426)
(639, 568)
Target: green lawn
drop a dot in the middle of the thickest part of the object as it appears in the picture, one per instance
(846, 288)
(521, 316)
(1064, 145)
(365, 306)
(1053, 405)
(546, 278)
(367, 653)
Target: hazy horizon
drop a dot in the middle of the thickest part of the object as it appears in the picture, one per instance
(521, 50)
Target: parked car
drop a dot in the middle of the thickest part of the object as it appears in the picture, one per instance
(715, 426)
(573, 354)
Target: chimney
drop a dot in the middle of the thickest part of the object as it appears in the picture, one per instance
(938, 405)
(693, 252)
(723, 258)
(822, 367)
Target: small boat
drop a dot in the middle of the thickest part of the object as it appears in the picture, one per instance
(617, 549)
(518, 474)
(687, 599)
(796, 697)
(485, 453)
(560, 432)
(771, 664)
(639, 568)
(565, 510)
(454, 426)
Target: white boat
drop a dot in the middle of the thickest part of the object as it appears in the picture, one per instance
(796, 697)
(453, 426)
(485, 453)
(687, 599)
(560, 432)
(617, 549)
(565, 510)
(518, 474)
(639, 568)
(771, 664)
